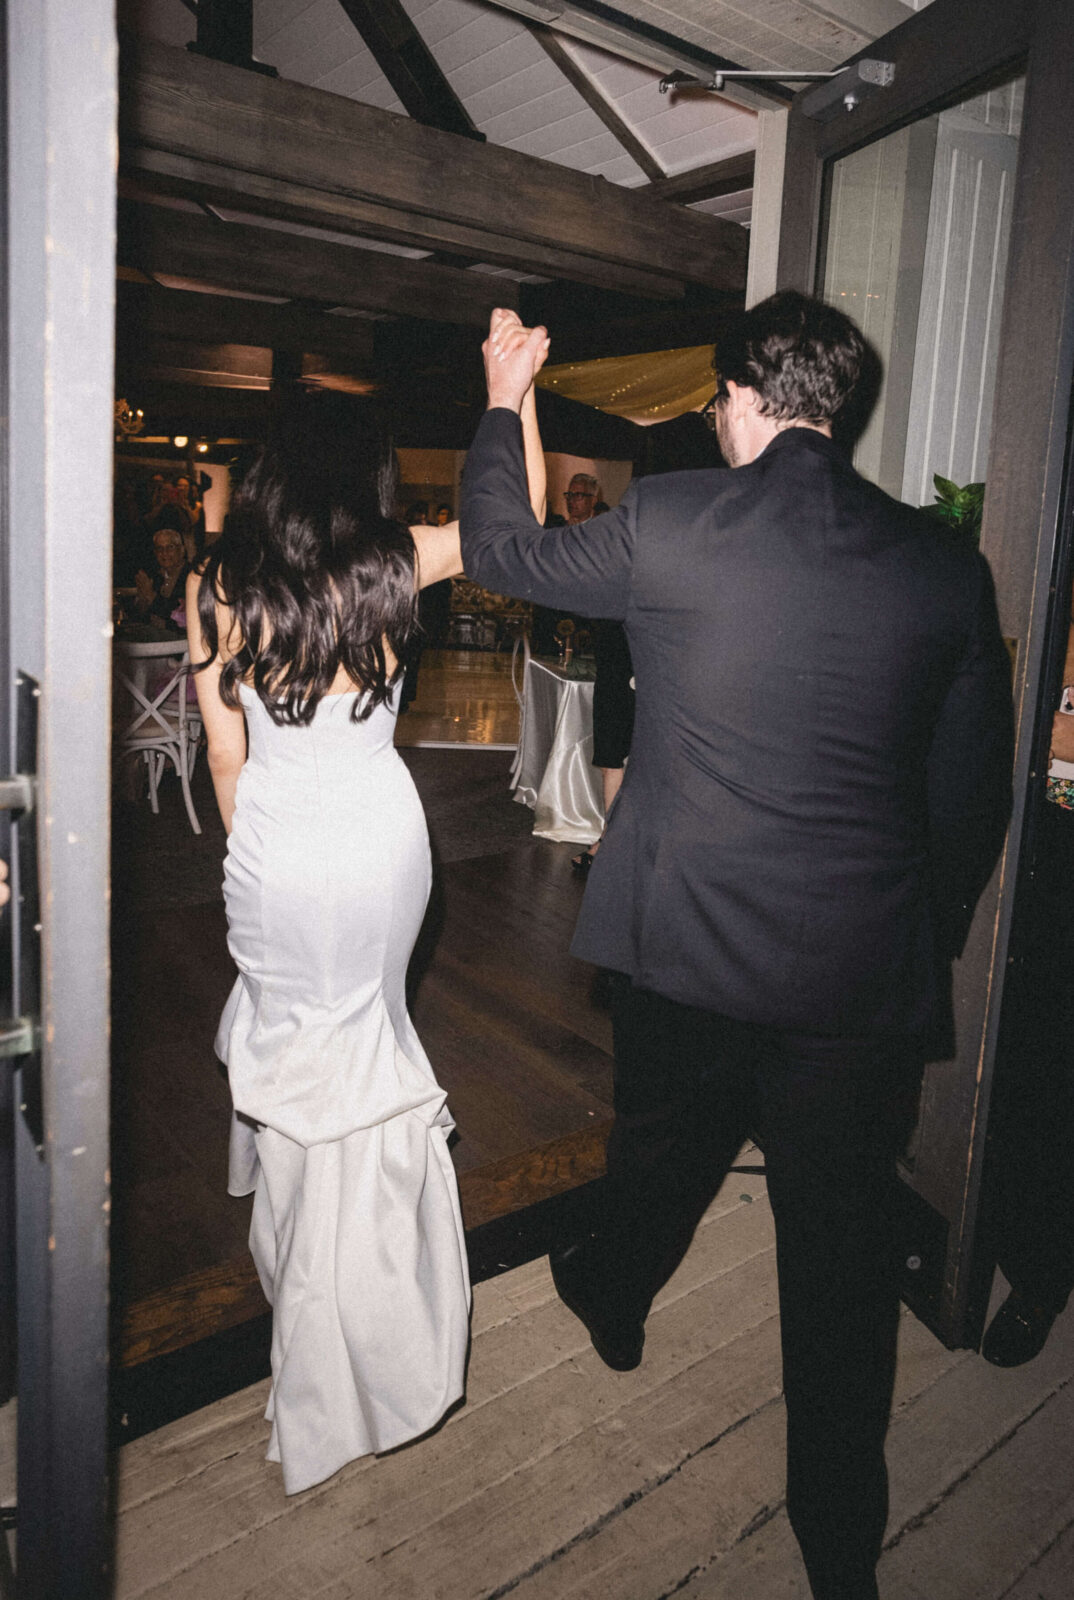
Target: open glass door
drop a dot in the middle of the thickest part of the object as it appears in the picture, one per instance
(58, 277)
(937, 212)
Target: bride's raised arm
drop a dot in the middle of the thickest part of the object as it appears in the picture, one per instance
(536, 475)
(438, 554)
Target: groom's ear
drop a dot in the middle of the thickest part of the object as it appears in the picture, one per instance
(741, 399)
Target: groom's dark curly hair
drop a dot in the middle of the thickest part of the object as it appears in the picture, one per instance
(803, 359)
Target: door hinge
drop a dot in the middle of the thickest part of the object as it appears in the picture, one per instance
(17, 793)
(18, 1037)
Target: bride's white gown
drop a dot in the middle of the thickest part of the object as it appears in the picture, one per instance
(341, 1129)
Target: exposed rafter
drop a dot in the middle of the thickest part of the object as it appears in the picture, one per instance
(580, 80)
(409, 65)
(226, 33)
(255, 260)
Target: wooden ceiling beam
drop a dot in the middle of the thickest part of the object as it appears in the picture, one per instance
(319, 208)
(258, 260)
(410, 66)
(178, 103)
(146, 310)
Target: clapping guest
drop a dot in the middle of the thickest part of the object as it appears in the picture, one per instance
(158, 598)
(189, 502)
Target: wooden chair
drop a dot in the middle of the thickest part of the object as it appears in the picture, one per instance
(154, 718)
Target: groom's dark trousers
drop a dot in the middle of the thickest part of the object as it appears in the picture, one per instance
(817, 791)
(830, 1115)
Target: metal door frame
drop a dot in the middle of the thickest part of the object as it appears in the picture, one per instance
(57, 510)
(950, 50)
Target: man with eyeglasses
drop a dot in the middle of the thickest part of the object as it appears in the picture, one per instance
(818, 790)
(582, 495)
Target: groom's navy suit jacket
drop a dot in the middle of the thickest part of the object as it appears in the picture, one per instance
(819, 781)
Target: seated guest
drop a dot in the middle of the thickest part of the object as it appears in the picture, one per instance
(443, 514)
(156, 599)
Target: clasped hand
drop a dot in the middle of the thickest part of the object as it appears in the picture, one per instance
(514, 354)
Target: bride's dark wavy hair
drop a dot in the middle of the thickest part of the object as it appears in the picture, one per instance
(315, 570)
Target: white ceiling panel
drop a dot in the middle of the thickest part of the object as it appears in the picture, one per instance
(516, 96)
(732, 207)
(504, 96)
(682, 131)
(315, 42)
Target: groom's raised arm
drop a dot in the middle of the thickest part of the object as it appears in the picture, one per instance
(504, 548)
(585, 567)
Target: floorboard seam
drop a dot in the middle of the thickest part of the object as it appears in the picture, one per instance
(559, 1444)
(148, 1498)
(629, 1500)
(1038, 1558)
(919, 1519)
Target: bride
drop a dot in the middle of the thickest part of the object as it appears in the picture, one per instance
(298, 620)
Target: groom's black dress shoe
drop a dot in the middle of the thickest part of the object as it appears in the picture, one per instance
(618, 1343)
(1017, 1332)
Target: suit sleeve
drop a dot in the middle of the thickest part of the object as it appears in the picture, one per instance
(586, 568)
(970, 771)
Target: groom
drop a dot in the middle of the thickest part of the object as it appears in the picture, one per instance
(817, 793)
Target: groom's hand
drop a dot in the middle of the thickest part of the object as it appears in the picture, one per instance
(513, 356)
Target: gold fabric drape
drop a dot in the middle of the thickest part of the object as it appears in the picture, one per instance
(646, 388)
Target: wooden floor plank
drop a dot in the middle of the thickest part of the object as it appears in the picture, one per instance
(974, 1545)
(941, 1438)
(560, 1480)
(1051, 1575)
(515, 1412)
(681, 1532)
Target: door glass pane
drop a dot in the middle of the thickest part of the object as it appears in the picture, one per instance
(915, 250)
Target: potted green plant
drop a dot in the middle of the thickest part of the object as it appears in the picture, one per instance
(959, 508)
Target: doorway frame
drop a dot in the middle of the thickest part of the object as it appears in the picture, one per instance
(945, 53)
(60, 74)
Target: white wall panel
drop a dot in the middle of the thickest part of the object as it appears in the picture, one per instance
(958, 329)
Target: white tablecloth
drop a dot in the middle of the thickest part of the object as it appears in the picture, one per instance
(553, 771)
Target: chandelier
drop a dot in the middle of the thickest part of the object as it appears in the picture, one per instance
(127, 422)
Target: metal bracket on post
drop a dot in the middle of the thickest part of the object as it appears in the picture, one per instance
(841, 89)
(845, 92)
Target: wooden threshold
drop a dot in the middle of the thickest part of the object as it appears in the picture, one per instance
(228, 1293)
